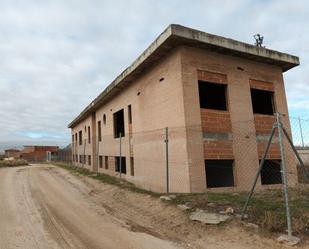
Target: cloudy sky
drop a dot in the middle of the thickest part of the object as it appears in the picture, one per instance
(56, 56)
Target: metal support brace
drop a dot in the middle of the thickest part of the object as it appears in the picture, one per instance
(258, 172)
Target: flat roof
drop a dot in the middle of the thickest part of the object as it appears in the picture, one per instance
(176, 35)
(40, 146)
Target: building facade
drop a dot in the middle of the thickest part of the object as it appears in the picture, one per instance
(36, 153)
(12, 153)
(199, 105)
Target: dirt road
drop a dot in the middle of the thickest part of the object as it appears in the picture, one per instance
(39, 209)
(47, 207)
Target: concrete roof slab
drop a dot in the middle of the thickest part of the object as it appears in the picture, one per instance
(176, 35)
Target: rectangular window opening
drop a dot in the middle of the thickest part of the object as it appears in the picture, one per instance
(132, 166)
(80, 137)
(89, 135)
(212, 95)
(89, 160)
(122, 166)
(119, 124)
(101, 162)
(130, 114)
(99, 131)
(219, 173)
(106, 162)
(262, 102)
(271, 172)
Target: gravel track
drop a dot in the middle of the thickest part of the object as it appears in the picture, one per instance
(43, 206)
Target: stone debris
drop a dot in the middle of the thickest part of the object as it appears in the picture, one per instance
(208, 218)
(239, 216)
(211, 204)
(292, 241)
(229, 210)
(251, 225)
(167, 197)
(183, 206)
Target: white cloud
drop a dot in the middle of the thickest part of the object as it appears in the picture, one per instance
(56, 56)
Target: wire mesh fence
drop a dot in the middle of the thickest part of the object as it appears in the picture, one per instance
(222, 156)
(163, 159)
(300, 130)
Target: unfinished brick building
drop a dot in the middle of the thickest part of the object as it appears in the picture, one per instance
(220, 95)
(12, 153)
(36, 153)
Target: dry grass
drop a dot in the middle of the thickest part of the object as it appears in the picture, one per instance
(13, 163)
(266, 209)
(105, 178)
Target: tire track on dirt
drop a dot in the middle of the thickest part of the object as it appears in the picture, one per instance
(56, 225)
(80, 222)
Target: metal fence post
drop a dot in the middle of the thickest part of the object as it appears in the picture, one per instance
(284, 177)
(301, 132)
(244, 210)
(166, 155)
(120, 152)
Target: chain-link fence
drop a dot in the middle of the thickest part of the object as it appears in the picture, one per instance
(283, 167)
(300, 130)
(173, 159)
(300, 135)
(63, 155)
(222, 155)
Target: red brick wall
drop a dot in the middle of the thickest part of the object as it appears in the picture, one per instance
(37, 153)
(274, 151)
(263, 123)
(215, 121)
(262, 85)
(219, 149)
(211, 76)
(36, 156)
(263, 126)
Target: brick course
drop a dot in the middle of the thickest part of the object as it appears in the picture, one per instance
(215, 121)
(262, 85)
(166, 95)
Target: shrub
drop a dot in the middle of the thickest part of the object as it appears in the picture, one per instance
(13, 163)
